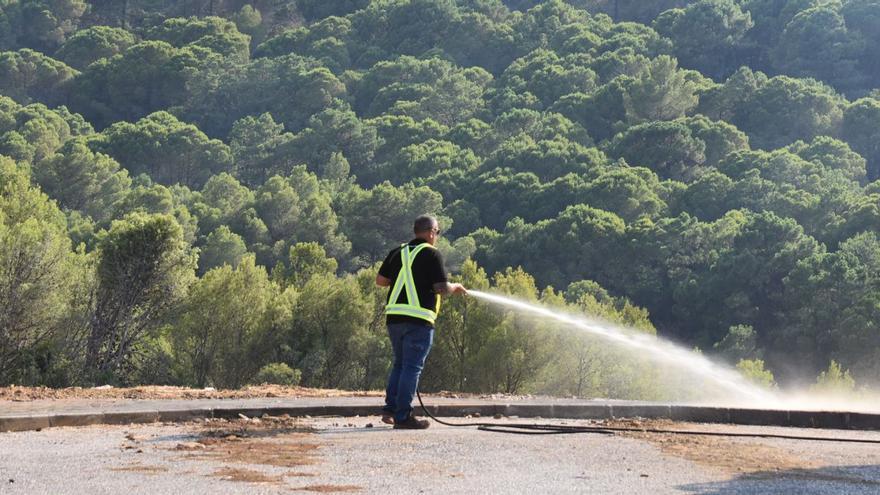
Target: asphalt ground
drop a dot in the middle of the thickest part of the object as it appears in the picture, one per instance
(344, 455)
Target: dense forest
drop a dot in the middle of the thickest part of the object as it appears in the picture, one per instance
(198, 192)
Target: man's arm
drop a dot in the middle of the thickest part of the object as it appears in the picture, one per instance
(449, 288)
(383, 278)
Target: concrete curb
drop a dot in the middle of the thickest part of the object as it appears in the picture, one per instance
(804, 419)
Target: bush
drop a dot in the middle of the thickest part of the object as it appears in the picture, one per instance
(278, 374)
(754, 371)
(834, 381)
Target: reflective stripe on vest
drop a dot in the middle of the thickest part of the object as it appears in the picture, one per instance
(405, 282)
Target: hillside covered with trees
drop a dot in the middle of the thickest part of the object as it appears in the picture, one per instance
(198, 192)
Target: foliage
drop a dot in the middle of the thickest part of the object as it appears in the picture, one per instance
(753, 369)
(834, 380)
(278, 374)
(224, 324)
(27, 76)
(144, 269)
(37, 273)
(705, 170)
(169, 151)
(93, 44)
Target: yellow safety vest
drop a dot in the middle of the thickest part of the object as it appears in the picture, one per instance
(405, 282)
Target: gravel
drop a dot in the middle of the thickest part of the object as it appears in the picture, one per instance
(343, 455)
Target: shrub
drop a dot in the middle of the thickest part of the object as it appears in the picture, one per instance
(278, 374)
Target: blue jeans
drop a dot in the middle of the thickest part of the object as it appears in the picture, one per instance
(410, 343)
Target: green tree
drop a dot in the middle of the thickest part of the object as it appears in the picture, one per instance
(214, 33)
(545, 75)
(28, 76)
(707, 34)
(292, 88)
(144, 269)
(834, 155)
(546, 247)
(661, 92)
(464, 326)
(145, 78)
(428, 158)
(33, 133)
(248, 20)
(82, 180)
(602, 113)
(94, 43)
(328, 40)
(307, 260)
(296, 209)
(778, 111)
(334, 130)
(668, 148)
(816, 43)
(629, 193)
(223, 200)
(41, 24)
(379, 218)
(166, 149)
(739, 344)
(548, 158)
(318, 9)
(222, 247)
(720, 138)
(254, 142)
(831, 302)
(37, 273)
(516, 349)
(754, 371)
(432, 88)
(223, 323)
(394, 132)
(834, 380)
(327, 332)
(859, 129)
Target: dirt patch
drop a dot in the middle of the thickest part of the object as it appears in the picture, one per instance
(285, 450)
(731, 455)
(247, 476)
(270, 441)
(140, 468)
(328, 488)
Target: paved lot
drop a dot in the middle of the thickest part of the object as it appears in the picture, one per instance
(343, 455)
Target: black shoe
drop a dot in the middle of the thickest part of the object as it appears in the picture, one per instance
(411, 423)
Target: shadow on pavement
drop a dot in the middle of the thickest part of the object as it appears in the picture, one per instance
(849, 480)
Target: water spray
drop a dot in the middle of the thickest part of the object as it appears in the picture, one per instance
(658, 348)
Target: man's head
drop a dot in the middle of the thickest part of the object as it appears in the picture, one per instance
(426, 227)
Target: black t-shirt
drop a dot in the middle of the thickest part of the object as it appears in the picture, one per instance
(427, 270)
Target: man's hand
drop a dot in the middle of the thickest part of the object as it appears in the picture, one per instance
(448, 288)
(383, 281)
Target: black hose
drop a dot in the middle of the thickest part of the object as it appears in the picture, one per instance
(545, 429)
(519, 428)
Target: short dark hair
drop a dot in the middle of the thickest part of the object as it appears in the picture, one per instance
(424, 223)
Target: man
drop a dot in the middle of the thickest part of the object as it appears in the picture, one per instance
(416, 277)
